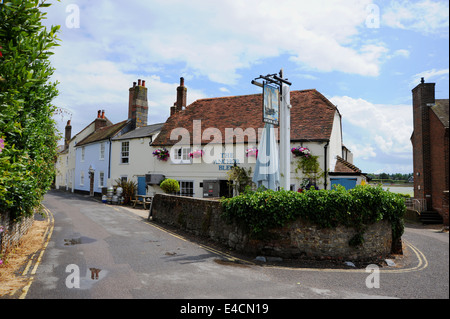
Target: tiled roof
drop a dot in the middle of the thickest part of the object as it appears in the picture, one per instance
(103, 133)
(342, 166)
(143, 131)
(441, 110)
(312, 117)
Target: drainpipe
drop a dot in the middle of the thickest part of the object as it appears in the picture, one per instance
(325, 150)
(109, 159)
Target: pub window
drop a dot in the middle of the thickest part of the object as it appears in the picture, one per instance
(186, 188)
(181, 155)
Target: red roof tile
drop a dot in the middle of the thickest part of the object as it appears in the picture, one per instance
(342, 166)
(312, 117)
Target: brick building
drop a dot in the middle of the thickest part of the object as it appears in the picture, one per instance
(430, 143)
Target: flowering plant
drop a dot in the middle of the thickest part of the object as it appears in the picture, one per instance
(196, 154)
(301, 151)
(162, 154)
(2, 144)
(251, 152)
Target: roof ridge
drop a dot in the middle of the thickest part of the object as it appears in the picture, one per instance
(245, 95)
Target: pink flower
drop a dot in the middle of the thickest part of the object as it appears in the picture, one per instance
(2, 144)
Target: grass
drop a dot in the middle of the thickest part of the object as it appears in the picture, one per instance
(11, 278)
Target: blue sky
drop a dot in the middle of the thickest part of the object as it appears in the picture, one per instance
(365, 56)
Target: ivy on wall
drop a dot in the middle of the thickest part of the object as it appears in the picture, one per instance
(357, 208)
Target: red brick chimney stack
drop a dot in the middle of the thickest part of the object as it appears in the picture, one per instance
(68, 135)
(423, 98)
(100, 121)
(180, 104)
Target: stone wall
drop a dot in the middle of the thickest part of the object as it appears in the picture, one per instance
(12, 231)
(299, 238)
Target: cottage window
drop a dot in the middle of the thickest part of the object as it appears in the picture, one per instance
(125, 154)
(82, 178)
(83, 152)
(102, 151)
(101, 180)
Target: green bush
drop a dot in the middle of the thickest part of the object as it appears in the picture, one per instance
(27, 131)
(170, 186)
(358, 207)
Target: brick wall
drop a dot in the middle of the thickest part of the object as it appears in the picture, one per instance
(203, 218)
(439, 166)
(423, 95)
(12, 231)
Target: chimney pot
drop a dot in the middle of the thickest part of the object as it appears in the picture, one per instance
(143, 82)
(422, 80)
(103, 114)
(98, 113)
(139, 82)
(181, 81)
(134, 84)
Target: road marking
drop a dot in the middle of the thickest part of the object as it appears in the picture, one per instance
(48, 234)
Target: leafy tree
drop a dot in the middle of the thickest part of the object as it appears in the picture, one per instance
(26, 93)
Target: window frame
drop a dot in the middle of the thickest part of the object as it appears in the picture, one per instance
(122, 156)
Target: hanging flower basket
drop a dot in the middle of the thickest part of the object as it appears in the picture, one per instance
(196, 154)
(161, 154)
(301, 151)
(253, 152)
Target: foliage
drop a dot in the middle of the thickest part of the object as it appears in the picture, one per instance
(129, 189)
(170, 186)
(310, 167)
(240, 179)
(26, 126)
(357, 208)
(162, 154)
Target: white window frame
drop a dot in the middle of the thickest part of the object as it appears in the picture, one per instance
(83, 153)
(101, 179)
(122, 152)
(183, 189)
(181, 155)
(82, 178)
(102, 151)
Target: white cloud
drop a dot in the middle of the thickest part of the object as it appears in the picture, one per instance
(426, 16)
(378, 128)
(216, 39)
(428, 75)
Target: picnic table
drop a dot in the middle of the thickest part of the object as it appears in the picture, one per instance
(142, 200)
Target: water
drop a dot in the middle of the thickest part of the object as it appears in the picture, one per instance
(400, 189)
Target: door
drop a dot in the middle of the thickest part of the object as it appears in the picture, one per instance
(348, 183)
(142, 186)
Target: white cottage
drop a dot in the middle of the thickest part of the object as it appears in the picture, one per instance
(224, 129)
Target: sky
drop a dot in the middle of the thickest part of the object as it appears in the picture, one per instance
(364, 56)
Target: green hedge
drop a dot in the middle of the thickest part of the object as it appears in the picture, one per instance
(27, 131)
(361, 206)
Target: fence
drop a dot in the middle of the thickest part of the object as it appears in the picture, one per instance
(419, 205)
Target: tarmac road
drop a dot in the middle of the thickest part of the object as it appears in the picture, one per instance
(98, 251)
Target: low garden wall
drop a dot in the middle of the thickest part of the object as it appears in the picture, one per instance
(297, 238)
(12, 231)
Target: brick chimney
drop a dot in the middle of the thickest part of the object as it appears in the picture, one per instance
(423, 99)
(181, 96)
(138, 105)
(68, 135)
(100, 121)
